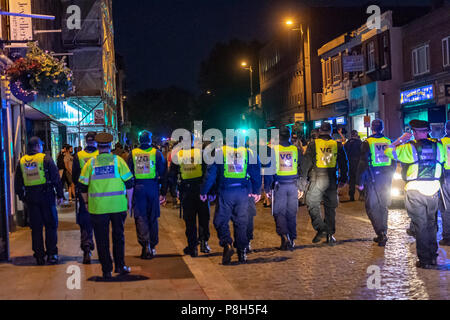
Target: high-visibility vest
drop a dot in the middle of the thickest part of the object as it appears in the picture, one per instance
(33, 169)
(106, 191)
(326, 153)
(190, 163)
(446, 144)
(144, 163)
(287, 160)
(235, 162)
(84, 156)
(377, 147)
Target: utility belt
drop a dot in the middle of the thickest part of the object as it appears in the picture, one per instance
(235, 185)
(190, 184)
(287, 181)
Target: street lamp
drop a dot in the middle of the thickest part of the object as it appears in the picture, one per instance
(245, 65)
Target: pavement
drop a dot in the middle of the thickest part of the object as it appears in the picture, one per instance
(356, 268)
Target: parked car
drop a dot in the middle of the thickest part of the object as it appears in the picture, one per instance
(398, 188)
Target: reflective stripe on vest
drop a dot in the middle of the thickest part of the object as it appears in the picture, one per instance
(446, 144)
(235, 162)
(144, 163)
(107, 192)
(33, 170)
(377, 148)
(84, 156)
(287, 160)
(326, 153)
(190, 163)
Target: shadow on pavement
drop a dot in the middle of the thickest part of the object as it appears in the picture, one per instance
(259, 260)
(120, 278)
(27, 261)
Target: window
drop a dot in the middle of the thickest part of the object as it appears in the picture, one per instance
(336, 69)
(421, 60)
(324, 74)
(328, 72)
(370, 56)
(385, 50)
(446, 52)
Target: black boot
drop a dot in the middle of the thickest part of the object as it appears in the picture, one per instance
(284, 243)
(87, 257)
(107, 275)
(146, 253)
(382, 239)
(242, 255)
(290, 244)
(319, 236)
(122, 270)
(40, 261)
(331, 240)
(227, 254)
(204, 248)
(193, 252)
(53, 259)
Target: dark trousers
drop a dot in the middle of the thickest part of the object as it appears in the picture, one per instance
(445, 214)
(378, 199)
(146, 213)
(285, 208)
(84, 221)
(423, 213)
(42, 211)
(250, 222)
(352, 169)
(323, 187)
(193, 207)
(233, 205)
(100, 223)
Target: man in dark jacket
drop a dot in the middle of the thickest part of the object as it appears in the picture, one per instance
(353, 150)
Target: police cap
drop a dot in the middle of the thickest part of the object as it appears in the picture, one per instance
(145, 137)
(103, 138)
(90, 136)
(34, 141)
(419, 124)
(325, 127)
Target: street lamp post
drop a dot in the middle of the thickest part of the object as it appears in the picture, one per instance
(244, 65)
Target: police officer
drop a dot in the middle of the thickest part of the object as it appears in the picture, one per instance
(83, 218)
(445, 203)
(322, 159)
(36, 180)
(353, 151)
(107, 188)
(375, 171)
(422, 158)
(284, 184)
(189, 164)
(238, 161)
(149, 169)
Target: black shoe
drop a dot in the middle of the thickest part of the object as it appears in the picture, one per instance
(242, 255)
(291, 244)
(331, 240)
(146, 253)
(227, 254)
(87, 257)
(193, 252)
(107, 275)
(410, 233)
(284, 243)
(122, 270)
(40, 261)
(382, 239)
(319, 236)
(204, 247)
(423, 265)
(444, 242)
(53, 259)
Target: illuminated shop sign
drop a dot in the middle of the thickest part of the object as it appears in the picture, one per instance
(317, 124)
(417, 94)
(340, 120)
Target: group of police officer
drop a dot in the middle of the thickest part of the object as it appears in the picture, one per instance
(109, 186)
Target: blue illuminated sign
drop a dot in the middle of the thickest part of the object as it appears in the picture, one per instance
(417, 94)
(340, 120)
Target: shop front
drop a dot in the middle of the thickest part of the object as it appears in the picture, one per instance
(335, 114)
(363, 100)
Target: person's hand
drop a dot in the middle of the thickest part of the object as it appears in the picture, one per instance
(162, 199)
(299, 194)
(211, 198)
(406, 137)
(341, 185)
(203, 197)
(60, 201)
(256, 197)
(269, 195)
(360, 188)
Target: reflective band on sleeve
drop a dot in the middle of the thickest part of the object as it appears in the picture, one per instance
(107, 194)
(127, 176)
(84, 180)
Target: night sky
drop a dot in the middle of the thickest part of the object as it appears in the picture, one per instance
(164, 41)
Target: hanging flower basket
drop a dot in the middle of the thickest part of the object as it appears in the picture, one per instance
(39, 73)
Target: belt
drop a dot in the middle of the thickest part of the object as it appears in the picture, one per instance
(293, 181)
(235, 185)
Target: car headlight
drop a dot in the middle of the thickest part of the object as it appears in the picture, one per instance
(395, 192)
(397, 176)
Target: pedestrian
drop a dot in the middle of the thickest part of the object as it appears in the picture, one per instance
(284, 184)
(423, 157)
(445, 202)
(238, 168)
(36, 181)
(188, 164)
(323, 157)
(374, 174)
(149, 169)
(107, 189)
(68, 163)
(60, 162)
(353, 150)
(82, 214)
